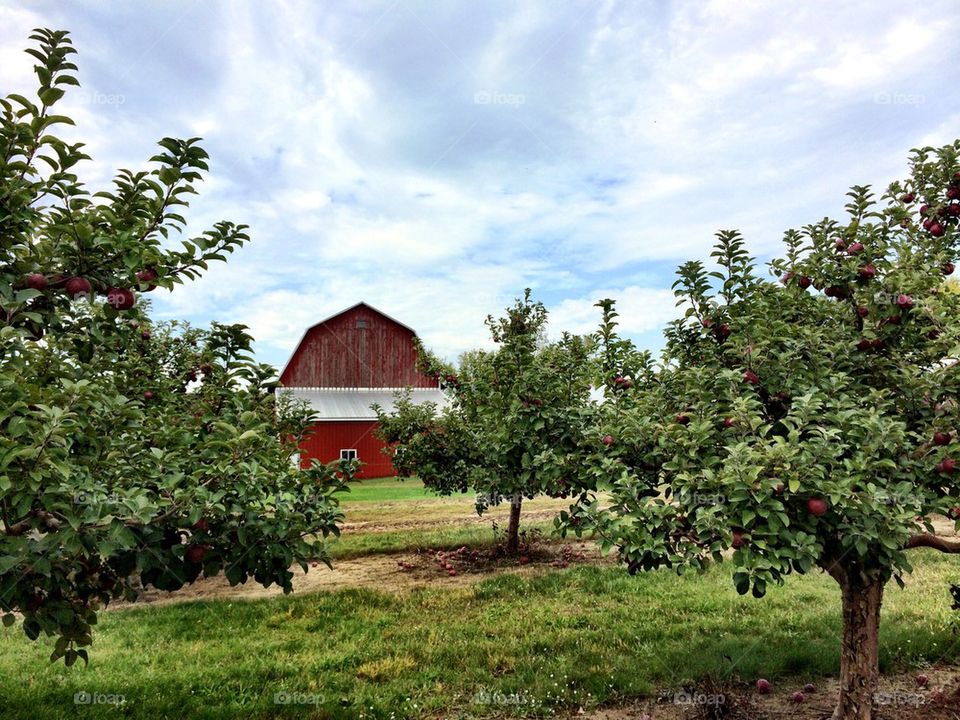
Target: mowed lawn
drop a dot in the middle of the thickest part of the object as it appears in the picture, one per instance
(550, 641)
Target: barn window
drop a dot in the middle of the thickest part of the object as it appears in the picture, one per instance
(348, 454)
(362, 324)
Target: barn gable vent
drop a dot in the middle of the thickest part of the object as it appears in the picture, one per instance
(361, 324)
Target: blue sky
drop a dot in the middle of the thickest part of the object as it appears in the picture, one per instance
(435, 158)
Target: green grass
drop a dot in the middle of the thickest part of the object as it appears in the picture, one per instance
(352, 545)
(386, 490)
(559, 640)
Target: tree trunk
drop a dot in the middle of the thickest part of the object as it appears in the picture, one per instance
(513, 529)
(859, 656)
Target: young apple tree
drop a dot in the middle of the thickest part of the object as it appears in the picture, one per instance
(131, 455)
(806, 423)
(513, 421)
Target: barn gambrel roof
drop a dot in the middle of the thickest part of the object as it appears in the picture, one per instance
(307, 332)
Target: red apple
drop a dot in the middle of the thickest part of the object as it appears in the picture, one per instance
(922, 680)
(947, 268)
(36, 281)
(34, 602)
(798, 697)
(682, 419)
(936, 229)
(147, 275)
(196, 553)
(804, 282)
(764, 686)
(723, 330)
(868, 272)
(148, 395)
(908, 198)
(947, 466)
(941, 438)
(77, 286)
(707, 322)
(817, 507)
(953, 193)
(121, 298)
(839, 244)
(855, 248)
(904, 302)
(809, 688)
(608, 440)
(863, 311)
(787, 277)
(200, 525)
(738, 541)
(145, 335)
(924, 209)
(864, 345)
(751, 377)
(953, 210)
(729, 422)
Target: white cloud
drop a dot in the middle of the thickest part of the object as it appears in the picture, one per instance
(348, 138)
(641, 309)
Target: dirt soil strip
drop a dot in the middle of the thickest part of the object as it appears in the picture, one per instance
(381, 572)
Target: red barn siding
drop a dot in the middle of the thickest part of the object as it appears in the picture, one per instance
(329, 438)
(359, 348)
(338, 353)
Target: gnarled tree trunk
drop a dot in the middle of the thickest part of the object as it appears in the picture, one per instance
(513, 529)
(859, 656)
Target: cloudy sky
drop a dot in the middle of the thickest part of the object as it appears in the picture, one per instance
(434, 158)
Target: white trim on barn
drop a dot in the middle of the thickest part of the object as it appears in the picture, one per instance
(332, 404)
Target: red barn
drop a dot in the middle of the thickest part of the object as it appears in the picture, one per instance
(342, 366)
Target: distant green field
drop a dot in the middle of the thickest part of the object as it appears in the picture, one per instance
(352, 544)
(386, 490)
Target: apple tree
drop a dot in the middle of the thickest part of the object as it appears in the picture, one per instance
(132, 455)
(804, 424)
(513, 422)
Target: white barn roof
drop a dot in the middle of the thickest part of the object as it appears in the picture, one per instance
(354, 403)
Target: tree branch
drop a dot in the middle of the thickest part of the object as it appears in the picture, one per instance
(936, 542)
